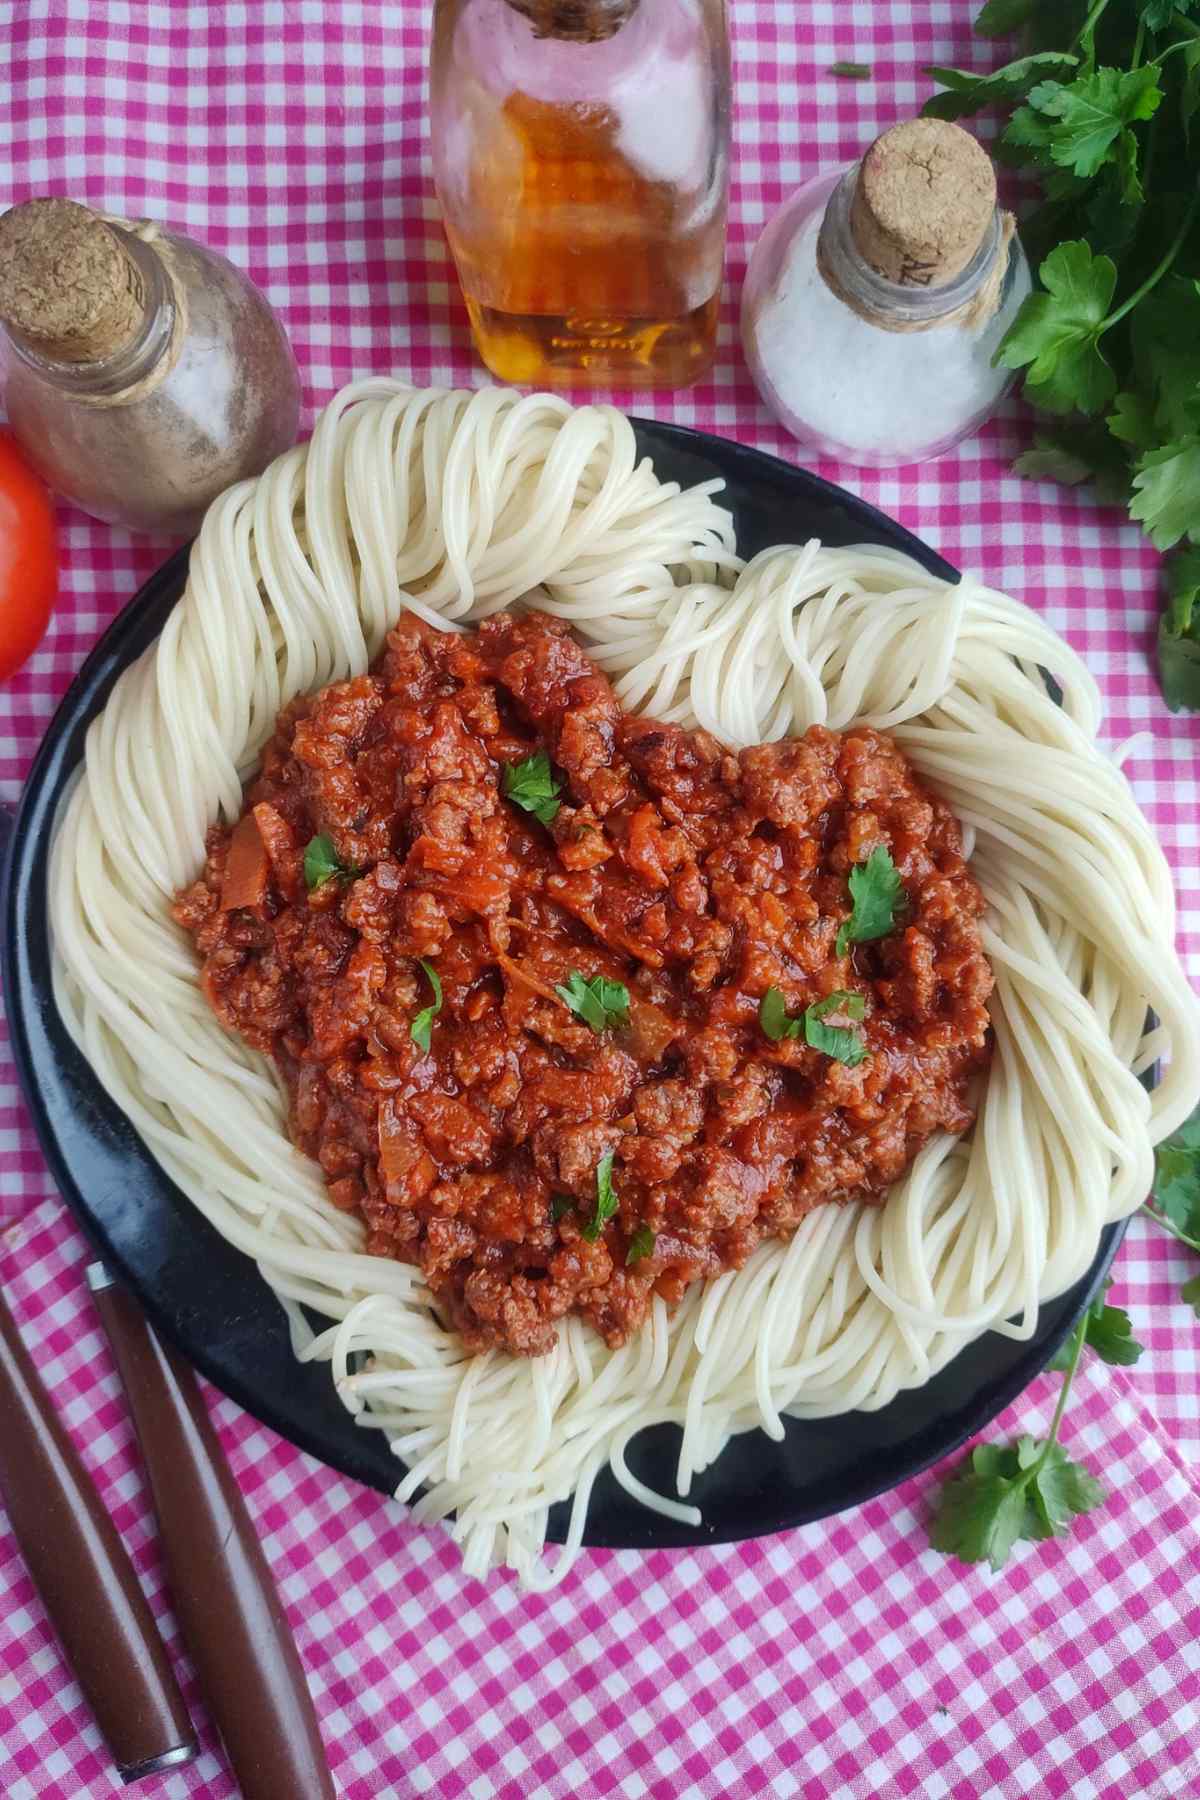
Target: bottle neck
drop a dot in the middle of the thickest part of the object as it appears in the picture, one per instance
(134, 361)
(575, 21)
(896, 306)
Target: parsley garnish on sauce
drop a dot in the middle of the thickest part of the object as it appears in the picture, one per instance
(531, 786)
(842, 1042)
(598, 1002)
(421, 1029)
(606, 1199)
(322, 863)
(641, 1245)
(877, 895)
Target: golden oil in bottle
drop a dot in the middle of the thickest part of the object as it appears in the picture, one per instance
(581, 155)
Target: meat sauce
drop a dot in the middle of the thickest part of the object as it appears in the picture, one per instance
(696, 878)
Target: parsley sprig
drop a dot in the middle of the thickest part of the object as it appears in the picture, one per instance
(421, 1029)
(606, 1199)
(531, 786)
(1104, 109)
(842, 1042)
(1030, 1489)
(877, 894)
(600, 1003)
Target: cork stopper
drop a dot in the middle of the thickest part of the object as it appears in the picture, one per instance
(925, 197)
(68, 287)
(576, 21)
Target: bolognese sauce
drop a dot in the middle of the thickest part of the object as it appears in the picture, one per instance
(575, 1007)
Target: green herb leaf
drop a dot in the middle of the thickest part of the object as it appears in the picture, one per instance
(1107, 1331)
(1176, 1192)
(1167, 492)
(1057, 333)
(1178, 670)
(641, 1245)
(600, 1003)
(841, 1042)
(1179, 632)
(1054, 461)
(1075, 451)
(322, 863)
(1190, 1291)
(1006, 1491)
(1132, 420)
(1183, 588)
(979, 1517)
(774, 1019)
(1157, 14)
(606, 1199)
(969, 91)
(560, 1206)
(421, 1029)
(1165, 335)
(531, 786)
(851, 71)
(999, 17)
(1061, 1489)
(1080, 122)
(878, 895)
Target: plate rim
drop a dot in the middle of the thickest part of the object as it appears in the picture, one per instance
(58, 756)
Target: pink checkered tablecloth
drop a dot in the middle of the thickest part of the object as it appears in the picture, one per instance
(845, 1659)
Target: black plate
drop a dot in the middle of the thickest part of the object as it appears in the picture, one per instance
(208, 1298)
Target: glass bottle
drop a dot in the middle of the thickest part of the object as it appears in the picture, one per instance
(581, 157)
(145, 373)
(877, 296)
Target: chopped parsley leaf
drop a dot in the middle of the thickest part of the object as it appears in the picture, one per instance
(877, 895)
(531, 786)
(641, 1245)
(598, 1002)
(606, 1199)
(842, 1042)
(322, 863)
(421, 1029)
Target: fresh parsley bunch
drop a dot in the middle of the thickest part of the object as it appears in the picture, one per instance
(1104, 108)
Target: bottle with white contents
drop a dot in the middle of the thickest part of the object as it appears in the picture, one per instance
(876, 298)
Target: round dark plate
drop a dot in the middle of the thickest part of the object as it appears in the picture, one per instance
(208, 1299)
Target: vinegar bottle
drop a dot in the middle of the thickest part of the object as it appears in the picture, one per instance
(581, 155)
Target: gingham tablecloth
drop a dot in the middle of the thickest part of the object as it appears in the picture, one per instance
(843, 1659)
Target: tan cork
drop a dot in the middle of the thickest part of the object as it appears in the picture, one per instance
(67, 285)
(924, 199)
(576, 21)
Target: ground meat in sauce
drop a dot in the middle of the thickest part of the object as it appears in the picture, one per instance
(697, 877)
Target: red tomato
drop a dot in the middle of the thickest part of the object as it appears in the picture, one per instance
(28, 557)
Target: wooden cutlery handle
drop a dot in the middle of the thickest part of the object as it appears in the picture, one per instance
(85, 1578)
(221, 1587)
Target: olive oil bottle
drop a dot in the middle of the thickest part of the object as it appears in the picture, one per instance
(581, 154)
